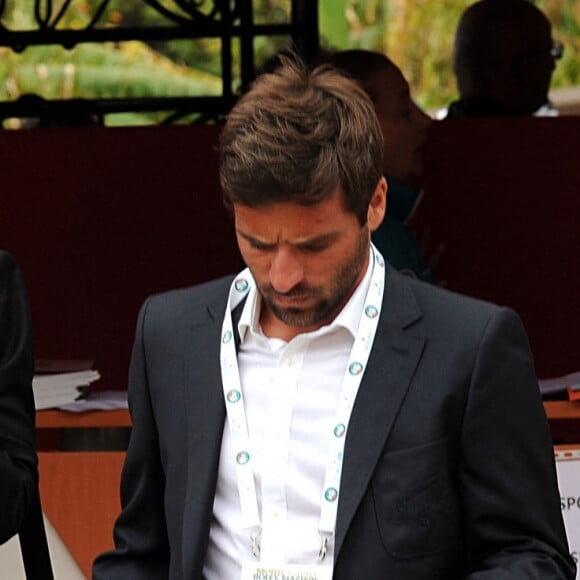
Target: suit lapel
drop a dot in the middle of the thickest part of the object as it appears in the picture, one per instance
(206, 417)
(394, 357)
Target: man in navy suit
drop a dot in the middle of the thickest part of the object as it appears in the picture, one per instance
(319, 415)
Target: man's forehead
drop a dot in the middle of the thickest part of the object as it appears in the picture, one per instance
(291, 214)
(298, 201)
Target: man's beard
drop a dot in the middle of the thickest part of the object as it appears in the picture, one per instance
(328, 300)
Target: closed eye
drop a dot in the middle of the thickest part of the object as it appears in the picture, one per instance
(313, 247)
(257, 245)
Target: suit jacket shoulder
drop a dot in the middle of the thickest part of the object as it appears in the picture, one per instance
(436, 309)
(192, 304)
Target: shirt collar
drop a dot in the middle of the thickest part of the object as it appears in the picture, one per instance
(348, 317)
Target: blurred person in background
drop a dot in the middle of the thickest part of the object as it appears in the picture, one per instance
(503, 59)
(404, 127)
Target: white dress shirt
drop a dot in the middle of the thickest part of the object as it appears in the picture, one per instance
(291, 392)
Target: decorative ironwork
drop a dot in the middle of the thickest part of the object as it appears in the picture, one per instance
(224, 20)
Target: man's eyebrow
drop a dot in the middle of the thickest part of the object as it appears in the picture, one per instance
(317, 240)
(301, 243)
(251, 238)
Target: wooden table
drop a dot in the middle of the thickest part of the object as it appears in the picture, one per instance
(564, 420)
(55, 419)
(80, 489)
(558, 410)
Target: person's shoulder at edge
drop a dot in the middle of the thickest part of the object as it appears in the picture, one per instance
(441, 305)
(7, 260)
(478, 108)
(190, 299)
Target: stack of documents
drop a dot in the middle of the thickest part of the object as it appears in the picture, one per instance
(566, 386)
(58, 383)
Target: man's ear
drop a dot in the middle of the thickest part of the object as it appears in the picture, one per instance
(377, 205)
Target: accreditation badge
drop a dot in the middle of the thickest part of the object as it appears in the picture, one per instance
(258, 571)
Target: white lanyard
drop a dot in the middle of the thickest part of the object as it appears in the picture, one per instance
(236, 413)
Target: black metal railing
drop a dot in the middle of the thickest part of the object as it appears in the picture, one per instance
(223, 20)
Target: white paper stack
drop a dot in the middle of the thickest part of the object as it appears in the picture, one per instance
(54, 390)
(560, 385)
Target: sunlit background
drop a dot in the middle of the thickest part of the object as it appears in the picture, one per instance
(415, 34)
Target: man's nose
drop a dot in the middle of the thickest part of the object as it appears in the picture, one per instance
(286, 270)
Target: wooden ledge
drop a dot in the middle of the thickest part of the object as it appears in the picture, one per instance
(55, 419)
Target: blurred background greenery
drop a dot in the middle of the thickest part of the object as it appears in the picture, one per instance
(415, 34)
(418, 36)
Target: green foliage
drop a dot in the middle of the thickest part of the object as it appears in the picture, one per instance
(418, 36)
(100, 71)
(333, 25)
(565, 18)
(121, 70)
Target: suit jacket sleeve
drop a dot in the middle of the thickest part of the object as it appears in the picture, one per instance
(507, 476)
(18, 463)
(141, 544)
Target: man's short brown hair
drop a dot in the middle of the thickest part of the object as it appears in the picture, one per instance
(296, 136)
